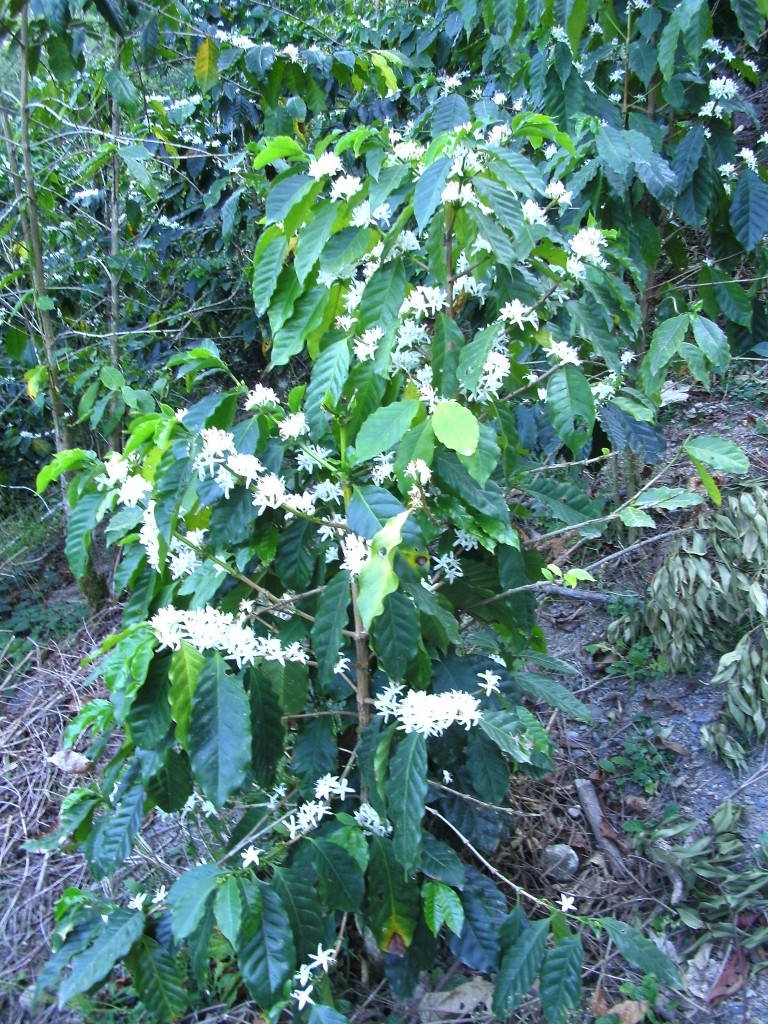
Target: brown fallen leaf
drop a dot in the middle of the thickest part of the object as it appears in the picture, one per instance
(733, 976)
(461, 1001)
(632, 1011)
(70, 761)
(676, 748)
(637, 804)
(598, 1004)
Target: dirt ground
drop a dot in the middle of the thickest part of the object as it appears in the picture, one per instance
(36, 704)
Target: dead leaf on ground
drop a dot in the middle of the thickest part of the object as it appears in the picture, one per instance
(70, 761)
(632, 1011)
(598, 1004)
(676, 748)
(637, 804)
(733, 977)
(460, 1001)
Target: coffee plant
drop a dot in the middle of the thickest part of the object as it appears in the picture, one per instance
(465, 234)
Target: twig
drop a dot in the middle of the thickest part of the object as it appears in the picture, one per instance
(487, 864)
(594, 815)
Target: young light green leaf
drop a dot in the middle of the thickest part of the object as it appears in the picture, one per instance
(384, 428)
(723, 456)
(442, 906)
(377, 577)
(456, 427)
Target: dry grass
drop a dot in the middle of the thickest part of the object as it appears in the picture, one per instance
(35, 706)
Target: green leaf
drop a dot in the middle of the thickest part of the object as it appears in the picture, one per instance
(267, 264)
(267, 733)
(315, 753)
(519, 968)
(115, 939)
(228, 909)
(688, 155)
(80, 525)
(62, 462)
(428, 192)
(668, 44)
(122, 90)
(749, 209)
(641, 952)
(56, 13)
(299, 897)
(312, 241)
(307, 315)
(341, 880)
(172, 784)
(482, 463)
(111, 838)
(383, 429)
(330, 620)
(488, 768)
(183, 673)
(571, 406)
(554, 694)
(395, 635)
(111, 378)
(456, 427)
(377, 577)
(441, 862)
(666, 341)
(345, 249)
(319, 1014)
(382, 298)
(751, 19)
(706, 478)
(279, 147)
(393, 900)
(286, 191)
(206, 60)
(442, 906)
(159, 980)
(406, 793)
(449, 112)
(560, 979)
(484, 910)
(447, 343)
(265, 950)
(722, 455)
(712, 341)
(506, 731)
(668, 497)
(635, 517)
(189, 898)
(219, 731)
(329, 374)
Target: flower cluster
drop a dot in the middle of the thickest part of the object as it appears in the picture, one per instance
(210, 629)
(427, 713)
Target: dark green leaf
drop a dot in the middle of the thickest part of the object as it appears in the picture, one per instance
(267, 264)
(441, 862)
(554, 694)
(751, 19)
(382, 298)
(484, 911)
(115, 939)
(312, 240)
(330, 621)
(428, 192)
(299, 897)
(267, 734)
(159, 980)
(286, 191)
(265, 951)
(80, 525)
(183, 673)
(571, 406)
(749, 209)
(406, 793)
(395, 635)
(228, 909)
(122, 90)
(666, 341)
(488, 770)
(560, 979)
(641, 952)
(111, 838)
(341, 880)
(56, 14)
(519, 967)
(308, 314)
(190, 896)
(219, 731)
(449, 112)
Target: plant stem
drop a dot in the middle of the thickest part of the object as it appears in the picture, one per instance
(114, 249)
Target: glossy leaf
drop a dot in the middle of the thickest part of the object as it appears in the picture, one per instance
(641, 952)
(456, 427)
(160, 984)
(120, 931)
(406, 794)
(571, 406)
(383, 429)
(666, 341)
(265, 950)
(395, 635)
(392, 900)
(442, 906)
(184, 671)
(429, 189)
(560, 979)
(719, 454)
(341, 880)
(219, 731)
(330, 621)
(190, 896)
(749, 207)
(519, 968)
